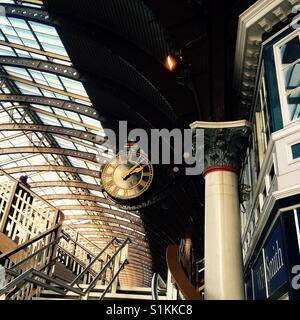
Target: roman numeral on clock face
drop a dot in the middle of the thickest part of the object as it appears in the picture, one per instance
(127, 176)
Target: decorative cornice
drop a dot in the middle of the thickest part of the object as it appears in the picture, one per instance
(225, 143)
(222, 125)
(253, 23)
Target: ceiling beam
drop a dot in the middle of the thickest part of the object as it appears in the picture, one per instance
(36, 51)
(53, 102)
(72, 183)
(50, 168)
(50, 150)
(86, 197)
(60, 117)
(120, 232)
(30, 13)
(120, 213)
(130, 224)
(43, 66)
(80, 134)
(45, 87)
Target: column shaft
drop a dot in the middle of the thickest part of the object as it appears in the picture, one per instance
(223, 259)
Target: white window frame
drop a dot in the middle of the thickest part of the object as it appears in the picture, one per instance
(280, 78)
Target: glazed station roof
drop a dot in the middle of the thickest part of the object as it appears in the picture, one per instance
(50, 130)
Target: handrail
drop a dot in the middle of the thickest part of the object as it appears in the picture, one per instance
(74, 258)
(113, 279)
(155, 285)
(37, 252)
(27, 276)
(178, 274)
(35, 195)
(80, 245)
(81, 235)
(93, 283)
(92, 262)
(22, 246)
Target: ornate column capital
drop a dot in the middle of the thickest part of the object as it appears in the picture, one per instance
(225, 144)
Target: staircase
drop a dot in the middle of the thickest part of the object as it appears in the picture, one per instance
(44, 259)
(53, 265)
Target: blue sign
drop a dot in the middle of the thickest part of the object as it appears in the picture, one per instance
(276, 265)
(259, 280)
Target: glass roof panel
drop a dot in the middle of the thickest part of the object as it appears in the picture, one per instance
(41, 41)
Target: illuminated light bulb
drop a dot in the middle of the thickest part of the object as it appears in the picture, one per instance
(170, 63)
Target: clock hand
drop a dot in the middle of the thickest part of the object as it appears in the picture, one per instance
(138, 169)
(128, 173)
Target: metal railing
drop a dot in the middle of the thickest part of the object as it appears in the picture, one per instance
(23, 214)
(21, 279)
(157, 286)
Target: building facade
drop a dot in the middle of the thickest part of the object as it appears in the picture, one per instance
(268, 80)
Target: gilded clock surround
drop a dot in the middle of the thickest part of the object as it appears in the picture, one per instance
(128, 175)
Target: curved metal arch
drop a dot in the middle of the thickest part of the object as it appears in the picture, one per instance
(80, 134)
(106, 236)
(42, 65)
(136, 253)
(53, 102)
(39, 2)
(130, 233)
(121, 233)
(137, 226)
(140, 260)
(136, 271)
(84, 185)
(75, 184)
(140, 277)
(47, 54)
(103, 218)
(132, 281)
(35, 14)
(143, 269)
(125, 233)
(157, 31)
(159, 100)
(99, 209)
(120, 223)
(50, 150)
(112, 231)
(92, 217)
(154, 230)
(135, 279)
(86, 197)
(50, 168)
(45, 87)
(38, 110)
(94, 198)
(144, 273)
(136, 250)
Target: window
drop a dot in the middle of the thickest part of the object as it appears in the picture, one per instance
(296, 151)
(290, 73)
(272, 173)
(262, 128)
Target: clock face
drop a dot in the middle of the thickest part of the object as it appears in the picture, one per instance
(127, 176)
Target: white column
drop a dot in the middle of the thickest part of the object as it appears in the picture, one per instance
(225, 145)
(223, 258)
